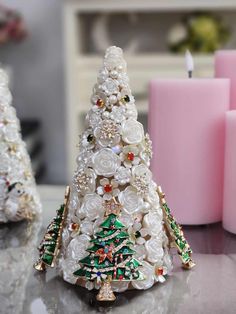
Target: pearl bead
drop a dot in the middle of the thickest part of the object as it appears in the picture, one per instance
(113, 99)
(105, 114)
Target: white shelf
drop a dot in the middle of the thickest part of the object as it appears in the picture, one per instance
(151, 5)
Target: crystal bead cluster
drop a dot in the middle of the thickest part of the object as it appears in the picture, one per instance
(18, 197)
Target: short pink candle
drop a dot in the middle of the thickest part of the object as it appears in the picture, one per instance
(186, 124)
(225, 65)
(229, 209)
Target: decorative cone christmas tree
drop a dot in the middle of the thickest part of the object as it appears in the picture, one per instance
(18, 197)
(118, 230)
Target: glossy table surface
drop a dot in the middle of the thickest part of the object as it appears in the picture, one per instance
(209, 288)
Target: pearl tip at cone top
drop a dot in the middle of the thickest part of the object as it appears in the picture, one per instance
(114, 236)
(18, 196)
(189, 63)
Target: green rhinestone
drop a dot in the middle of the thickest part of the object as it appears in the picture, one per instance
(57, 220)
(181, 243)
(54, 235)
(177, 233)
(61, 210)
(55, 228)
(167, 210)
(185, 257)
(173, 225)
(46, 258)
(50, 248)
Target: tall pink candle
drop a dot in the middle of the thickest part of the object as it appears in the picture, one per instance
(225, 65)
(186, 124)
(229, 209)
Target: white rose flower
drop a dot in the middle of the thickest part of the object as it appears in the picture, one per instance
(126, 219)
(119, 286)
(74, 200)
(86, 227)
(105, 162)
(142, 171)
(110, 86)
(123, 79)
(140, 252)
(130, 200)
(132, 131)
(148, 271)
(131, 111)
(117, 113)
(154, 250)
(153, 198)
(11, 133)
(123, 175)
(97, 223)
(92, 206)
(92, 118)
(68, 266)
(153, 223)
(167, 261)
(77, 246)
(5, 95)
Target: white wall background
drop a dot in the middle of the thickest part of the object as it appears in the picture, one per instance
(38, 77)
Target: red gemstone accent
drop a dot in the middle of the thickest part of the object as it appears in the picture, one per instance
(107, 188)
(130, 156)
(159, 271)
(121, 277)
(74, 226)
(100, 103)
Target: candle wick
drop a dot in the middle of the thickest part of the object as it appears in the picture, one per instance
(189, 63)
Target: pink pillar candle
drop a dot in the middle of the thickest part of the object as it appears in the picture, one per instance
(229, 208)
(186, 124)
(225, 67)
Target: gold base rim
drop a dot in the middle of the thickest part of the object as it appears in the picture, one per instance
(189, 265)
(40, 266)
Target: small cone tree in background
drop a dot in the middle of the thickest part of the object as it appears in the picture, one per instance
(18, 197)
(114, 237)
